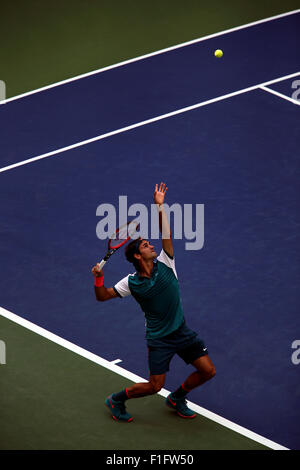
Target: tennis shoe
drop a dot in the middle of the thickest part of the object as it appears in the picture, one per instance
(118, 410)
(180, 406)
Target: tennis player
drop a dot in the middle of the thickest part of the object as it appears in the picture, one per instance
(155, 287)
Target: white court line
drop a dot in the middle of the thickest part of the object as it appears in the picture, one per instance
(151, 54)
(143, 123)
(135, 378)
(274, 92)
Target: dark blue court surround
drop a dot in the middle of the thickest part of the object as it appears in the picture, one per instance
(239, 157)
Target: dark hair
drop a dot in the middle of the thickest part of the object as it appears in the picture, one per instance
(131, 249)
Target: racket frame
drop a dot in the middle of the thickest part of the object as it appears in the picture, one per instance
(112, 250)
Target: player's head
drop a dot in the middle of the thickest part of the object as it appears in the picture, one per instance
(138, 251)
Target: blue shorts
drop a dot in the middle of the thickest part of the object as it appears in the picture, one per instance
(184, 342)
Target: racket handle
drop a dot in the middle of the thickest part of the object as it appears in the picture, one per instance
(100, 265)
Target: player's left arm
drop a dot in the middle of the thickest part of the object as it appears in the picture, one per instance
(159, 197)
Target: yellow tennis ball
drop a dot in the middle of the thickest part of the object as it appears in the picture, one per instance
(218, 53)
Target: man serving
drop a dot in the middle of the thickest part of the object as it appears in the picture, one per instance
(155, 287)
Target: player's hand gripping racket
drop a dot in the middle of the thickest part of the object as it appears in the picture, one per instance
(118, 239)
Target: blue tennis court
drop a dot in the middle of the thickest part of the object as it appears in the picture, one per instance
(220, 132)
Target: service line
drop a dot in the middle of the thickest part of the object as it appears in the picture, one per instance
(147, 121)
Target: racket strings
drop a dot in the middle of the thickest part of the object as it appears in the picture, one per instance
(132, 228)
(123, 233)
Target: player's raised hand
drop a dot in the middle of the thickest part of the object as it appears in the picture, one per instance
(159, 193)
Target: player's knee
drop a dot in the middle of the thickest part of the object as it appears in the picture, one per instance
(208, 373)
(212, 372)
(156, 387)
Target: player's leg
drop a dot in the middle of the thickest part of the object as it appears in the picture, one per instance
(197, 355)
(159, 359)
(116, 401)
(154, 385)
(205, 371)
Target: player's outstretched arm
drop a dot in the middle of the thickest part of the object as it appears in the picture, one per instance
(102, 293)
(159, 197)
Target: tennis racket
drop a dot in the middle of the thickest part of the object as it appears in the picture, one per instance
(118, 239)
